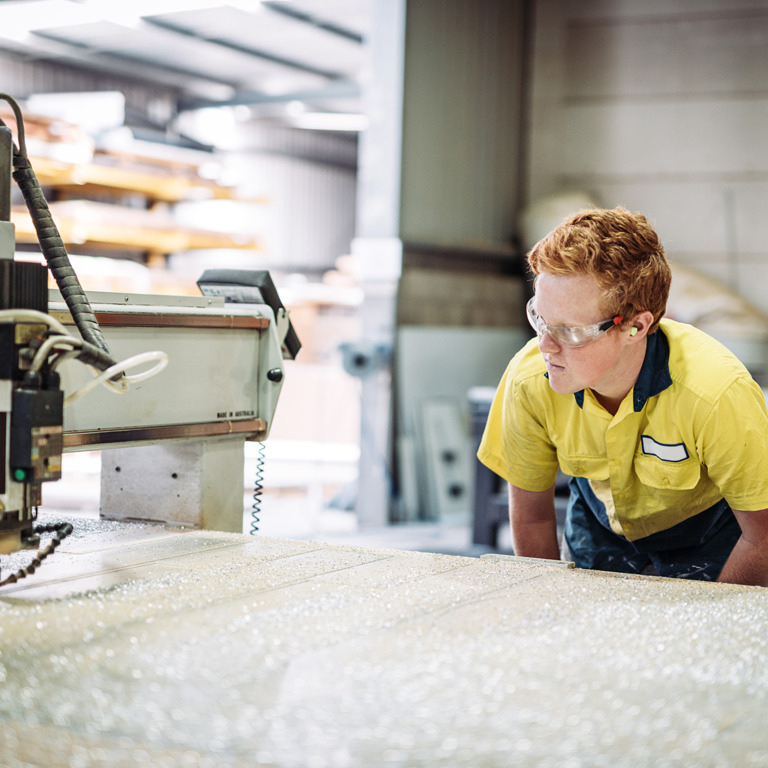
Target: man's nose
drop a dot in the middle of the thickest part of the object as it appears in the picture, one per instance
(547, 343)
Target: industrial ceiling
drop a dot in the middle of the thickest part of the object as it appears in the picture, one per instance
(294, 57)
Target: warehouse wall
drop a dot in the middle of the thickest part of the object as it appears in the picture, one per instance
(661, 106)
(307, 180)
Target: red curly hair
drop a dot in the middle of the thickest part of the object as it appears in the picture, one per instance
(620, 250)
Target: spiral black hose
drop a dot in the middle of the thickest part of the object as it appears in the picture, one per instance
(58, 262)
(52, 246)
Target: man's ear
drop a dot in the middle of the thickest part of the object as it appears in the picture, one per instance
(639, 325)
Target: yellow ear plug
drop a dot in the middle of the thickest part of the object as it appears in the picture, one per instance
(633, 331)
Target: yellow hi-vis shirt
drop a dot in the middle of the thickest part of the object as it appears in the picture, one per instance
(692, 431)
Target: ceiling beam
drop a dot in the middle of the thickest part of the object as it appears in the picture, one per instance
(340, 89)
(54, 49)
(95, 56)
(246, 50)
(286, 9)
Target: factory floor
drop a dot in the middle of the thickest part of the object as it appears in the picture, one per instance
(286, 517)
(308, 495)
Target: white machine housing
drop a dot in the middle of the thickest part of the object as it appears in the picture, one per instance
(176, 440)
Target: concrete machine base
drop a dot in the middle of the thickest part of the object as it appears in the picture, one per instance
(139, 645)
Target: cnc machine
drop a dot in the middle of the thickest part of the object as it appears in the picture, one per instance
(80, 372)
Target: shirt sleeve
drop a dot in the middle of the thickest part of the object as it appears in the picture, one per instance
(515, 443)
(734, 445)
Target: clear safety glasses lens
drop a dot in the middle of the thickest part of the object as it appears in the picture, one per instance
(567, 335)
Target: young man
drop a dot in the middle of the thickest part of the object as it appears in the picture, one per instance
(662, 430)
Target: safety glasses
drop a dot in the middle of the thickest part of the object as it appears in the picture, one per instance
(569, 335)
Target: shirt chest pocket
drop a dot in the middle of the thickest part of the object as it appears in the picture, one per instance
(667, 475)
(588, 467)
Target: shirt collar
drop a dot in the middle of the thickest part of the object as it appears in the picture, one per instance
(654, 375)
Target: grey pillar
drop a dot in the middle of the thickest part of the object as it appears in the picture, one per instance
(377, 248)
(439, 167)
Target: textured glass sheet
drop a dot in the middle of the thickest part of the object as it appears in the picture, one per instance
(189, 648)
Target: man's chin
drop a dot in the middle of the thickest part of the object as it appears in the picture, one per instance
(561, 387)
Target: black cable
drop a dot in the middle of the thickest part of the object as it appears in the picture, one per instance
(60, 532)
(52, 246)
(258, 489)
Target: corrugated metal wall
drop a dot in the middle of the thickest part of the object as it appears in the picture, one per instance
(22, 77)
(661, 106)
(308, 218)
(309, 180)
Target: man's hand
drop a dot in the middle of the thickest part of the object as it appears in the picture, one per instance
(534, 524)
(748, 562)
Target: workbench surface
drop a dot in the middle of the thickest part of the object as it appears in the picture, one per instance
(139, 645)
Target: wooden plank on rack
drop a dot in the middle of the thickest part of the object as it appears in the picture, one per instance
(96, 177)
(106, 226)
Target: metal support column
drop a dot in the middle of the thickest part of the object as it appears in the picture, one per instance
(377, 249)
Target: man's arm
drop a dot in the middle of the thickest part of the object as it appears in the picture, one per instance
(533, 521)
(748, 562)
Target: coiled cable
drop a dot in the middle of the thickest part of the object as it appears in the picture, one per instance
(258, 489)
